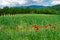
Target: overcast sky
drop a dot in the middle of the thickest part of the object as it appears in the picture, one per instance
(11, 3)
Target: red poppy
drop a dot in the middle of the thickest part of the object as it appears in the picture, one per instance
(46, 26)
(36, 27)
(49, 24)
(53, 26)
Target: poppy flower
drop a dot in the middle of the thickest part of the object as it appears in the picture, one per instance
(53, 26)
(36, 27)
(46, 26)
(49, 24)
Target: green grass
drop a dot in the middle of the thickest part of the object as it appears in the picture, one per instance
(25, 22)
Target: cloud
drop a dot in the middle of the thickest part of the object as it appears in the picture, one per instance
(23, 2)
(55, 2)
(38, 1)
(12, 2)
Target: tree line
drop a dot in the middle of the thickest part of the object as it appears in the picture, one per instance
(27, 10)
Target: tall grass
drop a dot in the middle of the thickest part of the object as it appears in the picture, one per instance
(25, 25)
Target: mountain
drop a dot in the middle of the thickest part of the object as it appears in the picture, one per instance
(36, 6)
(32, 6)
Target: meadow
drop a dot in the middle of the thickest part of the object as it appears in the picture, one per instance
(20, 27)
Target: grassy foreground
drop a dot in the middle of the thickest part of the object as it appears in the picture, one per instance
(25, 30)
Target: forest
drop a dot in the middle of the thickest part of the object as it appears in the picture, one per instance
(17, 10)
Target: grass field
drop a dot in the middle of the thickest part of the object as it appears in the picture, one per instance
(25, 30)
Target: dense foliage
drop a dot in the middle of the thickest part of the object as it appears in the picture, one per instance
(27, 10)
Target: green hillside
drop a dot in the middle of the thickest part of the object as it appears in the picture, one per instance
(56, 7)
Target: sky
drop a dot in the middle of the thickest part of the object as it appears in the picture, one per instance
(12, 3)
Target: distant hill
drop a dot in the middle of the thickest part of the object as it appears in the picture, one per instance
(36, 6)
(55, 7)
(32, 6)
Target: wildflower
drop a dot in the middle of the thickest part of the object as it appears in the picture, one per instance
(49, 24)
(36, 27)
(46, 26)
(53, 26)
